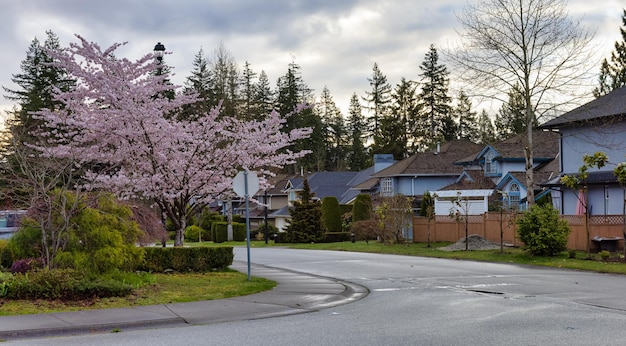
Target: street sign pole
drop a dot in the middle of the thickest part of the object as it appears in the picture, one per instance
(244, 183)
(245, 179)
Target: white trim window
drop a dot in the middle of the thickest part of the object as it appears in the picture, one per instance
(514, 196)
(490, 165)
(386, 187)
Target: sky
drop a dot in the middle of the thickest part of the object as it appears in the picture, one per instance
(335, 42)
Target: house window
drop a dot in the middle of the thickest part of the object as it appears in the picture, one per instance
(386, 187)
(490, 165)
(514, 196)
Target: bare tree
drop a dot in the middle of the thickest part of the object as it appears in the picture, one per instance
(532, 44)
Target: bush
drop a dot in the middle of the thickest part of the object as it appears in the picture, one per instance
(362, 209)
(337, 237)
(6, 259)
(239, 231)
(183, 259)
(543, 231)
(25, 265)
(194, 233)
(331, 214)
(66, 284)
(219, 231)
(365, 229)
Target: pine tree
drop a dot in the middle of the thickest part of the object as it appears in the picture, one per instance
(511, 117)
(263, 97)
(435, 99)
(487, 133)
(334, 131)
(198, 82)
(397, 127)
(468, 124)
(378, 101)
(613, 73)
(293, 93)
(36, 82)
(305, 225)
(248, 107)
(358, 158)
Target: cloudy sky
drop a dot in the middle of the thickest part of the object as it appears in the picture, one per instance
(336, 42)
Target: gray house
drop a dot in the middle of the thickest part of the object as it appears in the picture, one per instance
(598, 126)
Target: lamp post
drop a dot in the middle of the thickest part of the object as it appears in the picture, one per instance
(159, 51)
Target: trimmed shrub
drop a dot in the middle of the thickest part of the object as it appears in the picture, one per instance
(337, 237)
(542, 231)
(184, 259)
(219, 231)
(331, 214)
(194, 233)
(25, 265)
(362, 208)
(66, 284)
(239, 231)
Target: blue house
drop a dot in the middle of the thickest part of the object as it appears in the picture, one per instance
(501, 167)
(598, 126)
(427, 171)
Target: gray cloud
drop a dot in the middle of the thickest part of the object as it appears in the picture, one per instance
(335, 42)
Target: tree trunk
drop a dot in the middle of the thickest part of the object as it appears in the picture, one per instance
(180, 232)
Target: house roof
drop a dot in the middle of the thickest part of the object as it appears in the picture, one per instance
(612, 104)
(594, 178)
(472, 180)
(337, 184)
(432, 163)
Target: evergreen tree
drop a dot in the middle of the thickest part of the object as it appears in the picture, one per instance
(293, 93)
(397, 127)
(305, 225)
(468, 124)
(198, 82)
(263, 97)
(378, 101)
(334, 131)
(248, 108)
(36, 82)
(487, 133)
(435, 99)
(331, 214)
(358, 158)
(511, 117)
(613, 73)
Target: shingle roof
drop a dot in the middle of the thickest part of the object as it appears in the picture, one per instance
(472, 180)
(429, 163)
(545, 145)
(612, 104)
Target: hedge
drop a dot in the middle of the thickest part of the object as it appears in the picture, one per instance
(336, 237)
(187, 259)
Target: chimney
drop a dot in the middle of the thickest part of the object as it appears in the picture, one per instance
(382, 161)
(438, 148)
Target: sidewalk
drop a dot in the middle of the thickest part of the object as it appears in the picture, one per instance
(295, 293)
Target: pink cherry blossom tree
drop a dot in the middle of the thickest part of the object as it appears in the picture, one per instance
(120, 121)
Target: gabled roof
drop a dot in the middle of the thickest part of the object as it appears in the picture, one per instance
(545, 148)
(432, 162)
(337, 184)
(612, 104)
(472, 180)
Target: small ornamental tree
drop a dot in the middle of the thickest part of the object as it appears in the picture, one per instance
(119, 119)
(428, 211)
(579, 183)
(543, 231)
(331, 214)
(305, 225)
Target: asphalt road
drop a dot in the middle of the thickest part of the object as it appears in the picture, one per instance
(417, 301)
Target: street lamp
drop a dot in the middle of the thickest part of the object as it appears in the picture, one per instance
(159, 51)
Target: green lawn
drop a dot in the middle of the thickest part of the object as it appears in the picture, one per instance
(510, 255)
(167, 288)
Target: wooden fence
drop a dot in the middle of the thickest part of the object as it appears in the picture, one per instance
(488, 225)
